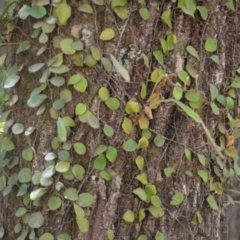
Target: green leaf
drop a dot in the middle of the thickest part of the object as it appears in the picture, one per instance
(129, 216)
(46, 236)
(83, 224)
(11, 81)
(117, 3)
(156, 201)
(78, 211)
(211, 44)
(101, 148)
(145, 14)
(201, 159)
(71, 194)
(112, 103)
(122, 12)
(90, 61)
(159, 56)
(17, 128)
(54, 203)
(37, 193)
(184, 77)
(61, 129)
(62, 166)
(213, 91)
(80, 108)
(57, 81)
(82, 85)
(192, 96)
(157, 212)
(177, 92)
(159, 236)
(23, 46)
(108, 130)
(63, 13)
(142, 237)
(191, 6)
(191, 70)
(212, 203)
(215, 58)
(130, 145)
(104, 94)
(166, 18)
(142, 143)
(159, 141)
(24, 12)
(25, 175)
(95, 53)
(36, 100)
(169, 171)
(107, 34)
(98, 2)
(106, 64)
(197, 219)
(66, 95)
(66, 46)
(230, 5)
(140, 162)
(37, 11)
(27, 154)
(111, 154)
(203, 11)
(177, 199)
(85, 200)
(110, 234)
(127, 125)
(36, 220)
(58, 104)
(142, 177)
(100, 162)
(85, 8)
(120, 69)
(79, 148)
(145, 60)
(193, 52)
(7, 144)
(141, 194)
(215, 109)
(203, 174)
(78, 172)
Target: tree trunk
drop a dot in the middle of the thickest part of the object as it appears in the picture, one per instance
(134, 36)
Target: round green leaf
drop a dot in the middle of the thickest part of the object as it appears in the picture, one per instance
(62, 166)
(66, 46)
(36, 100)
(127, 125)
(159, 141)
(108, 130)
(79, 148)
(85, 200)
(129, 216)
(37, 11)
(80, 109)
(111, 154)
(100, 162)
(27, 154)
(103, 94)
(63, 155)
(78, 172)
(54, 203)
(36, 220)
(20, 212)
(107, 34)
(211, 44)
(57, 81)
(65, 95)
(25, 175)
(81, 86)
(177, 199)
(7, 144)
(132, 107)
(46, 236)
(112, 103)
(145, 14)
(71, 194)
(63, 13)
(130, 145)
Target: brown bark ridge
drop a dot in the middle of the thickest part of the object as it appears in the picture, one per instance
(134, 36)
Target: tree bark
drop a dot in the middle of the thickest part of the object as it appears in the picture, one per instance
(134, 36)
